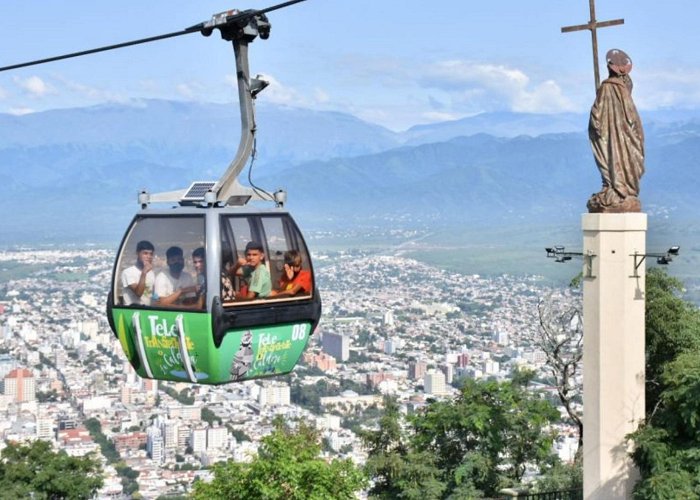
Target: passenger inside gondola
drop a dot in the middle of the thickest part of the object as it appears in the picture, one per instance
(294, 280)
(137, 280)
(199, 262)
(253, 270)
(174, 287)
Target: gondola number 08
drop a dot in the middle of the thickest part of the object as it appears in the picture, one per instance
(299, 332)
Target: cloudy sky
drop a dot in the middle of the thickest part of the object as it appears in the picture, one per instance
(397, 63)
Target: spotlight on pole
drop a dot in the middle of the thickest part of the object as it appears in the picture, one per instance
(559, 254)
(662, 259)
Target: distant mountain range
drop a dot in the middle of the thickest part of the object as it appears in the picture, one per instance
(73, 174)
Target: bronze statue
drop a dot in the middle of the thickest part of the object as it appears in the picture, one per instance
(617, 139)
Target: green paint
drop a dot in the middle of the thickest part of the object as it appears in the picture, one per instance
(244, 354)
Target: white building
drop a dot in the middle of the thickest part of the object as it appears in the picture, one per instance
(274, 394)
(389, 318)
(434, 383)
(491, 367)
(198, 440)
(171, 434)
(217, 438)
(45, 428)
(154, 444)
(500, 336)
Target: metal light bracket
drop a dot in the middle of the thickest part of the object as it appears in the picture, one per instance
(559, 254)
(661, 258)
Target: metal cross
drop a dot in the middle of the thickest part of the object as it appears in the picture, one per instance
(592, 26)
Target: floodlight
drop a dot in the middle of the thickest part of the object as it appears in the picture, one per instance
(674, 250)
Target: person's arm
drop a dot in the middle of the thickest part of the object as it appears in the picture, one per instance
(171, 299)
(300, 284)
(139, 287)
(238, 266)
(260, 285)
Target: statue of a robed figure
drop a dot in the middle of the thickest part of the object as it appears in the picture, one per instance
(617, 139)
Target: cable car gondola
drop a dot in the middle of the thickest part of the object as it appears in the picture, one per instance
(179, 302)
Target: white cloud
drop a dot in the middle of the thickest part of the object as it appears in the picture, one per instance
(185, 90)
(20, 111)
(667, 88)
(474, 86)
(437, 116)
(92, 93)
(321, 96)
(34, 86)
(278, 93)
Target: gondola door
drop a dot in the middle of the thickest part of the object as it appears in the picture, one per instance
(158, 301)
(266, 335)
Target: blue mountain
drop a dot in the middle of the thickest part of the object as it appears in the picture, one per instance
(73, 174)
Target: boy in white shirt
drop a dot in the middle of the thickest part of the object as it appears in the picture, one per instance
(138, 280)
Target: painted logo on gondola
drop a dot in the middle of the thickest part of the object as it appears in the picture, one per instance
(244, 354)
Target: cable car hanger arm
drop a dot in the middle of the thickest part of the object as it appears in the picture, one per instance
(223, 20)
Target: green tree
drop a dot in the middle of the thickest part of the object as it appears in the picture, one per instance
(36, 471)
(667, 448)
(288, 466)
(484, 439)
(667, 444)
(672, 328)
(396, 470)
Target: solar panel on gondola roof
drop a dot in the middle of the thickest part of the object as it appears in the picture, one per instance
(198, 189)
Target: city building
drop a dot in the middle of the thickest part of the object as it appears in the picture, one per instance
(154, 444)
(448, 370)
(337, 345)
(198, 440)
(274, 394)
(434, 383)
(417, 369)
(20, 385)
(217, 438)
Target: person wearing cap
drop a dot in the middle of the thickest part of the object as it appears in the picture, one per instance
(137, 280)
(617, 138)
(253, 269)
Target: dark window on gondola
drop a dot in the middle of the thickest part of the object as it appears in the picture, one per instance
(157, 267)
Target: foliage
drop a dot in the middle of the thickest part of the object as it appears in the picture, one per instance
(106, 446)
(485, 438)
(36, 471)
(49, 396)
(210, 417)
(672, 327)
(309, 396)
(397, 470)
(667, 445)
(561, 477)
(183, 397)
(127, 474)
(667, 449)
(288, 466)
(238, 434)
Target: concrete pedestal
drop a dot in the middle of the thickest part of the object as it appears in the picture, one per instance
(613, 351)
